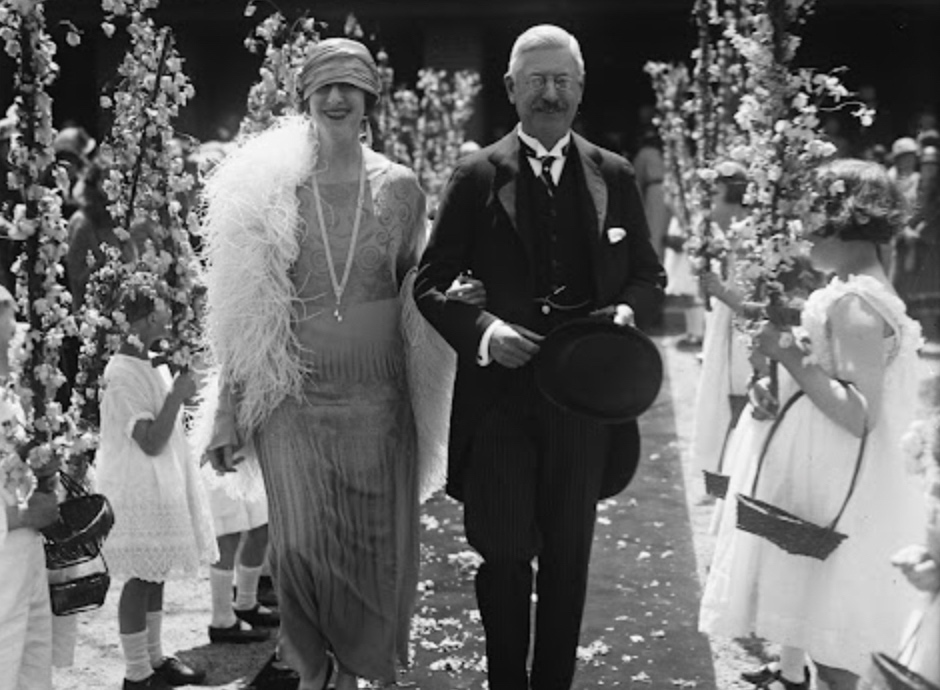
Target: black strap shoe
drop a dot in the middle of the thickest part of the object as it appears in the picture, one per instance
(778, 682)
(152, 682)
(176, 673)
(761, 675)
(259, 617)
(236, 634)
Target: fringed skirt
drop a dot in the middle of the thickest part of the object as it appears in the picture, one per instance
(340, 472)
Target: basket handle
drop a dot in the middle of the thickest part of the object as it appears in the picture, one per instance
(770, 434)
(737, 408)
(73, 487)
(863, 442)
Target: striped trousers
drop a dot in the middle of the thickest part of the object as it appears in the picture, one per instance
(530, 493)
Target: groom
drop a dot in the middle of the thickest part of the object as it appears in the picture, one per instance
(553, 227)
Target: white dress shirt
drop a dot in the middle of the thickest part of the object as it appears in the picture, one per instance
(558, 165)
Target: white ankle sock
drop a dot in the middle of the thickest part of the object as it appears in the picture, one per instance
(220, 582)
(154, 633)
(246, 586)
(136, 656)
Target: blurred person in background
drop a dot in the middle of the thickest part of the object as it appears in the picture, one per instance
(903, 170)
(917, 271)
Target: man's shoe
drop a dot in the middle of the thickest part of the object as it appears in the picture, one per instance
(152, 682)
(236, 634)
(176, 673)
(259, 617)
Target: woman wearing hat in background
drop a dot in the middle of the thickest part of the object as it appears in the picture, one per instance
(903, 170)
(309, 235)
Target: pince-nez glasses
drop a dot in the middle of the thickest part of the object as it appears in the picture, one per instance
(539, 82)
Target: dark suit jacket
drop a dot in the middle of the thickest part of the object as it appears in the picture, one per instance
(482, 226)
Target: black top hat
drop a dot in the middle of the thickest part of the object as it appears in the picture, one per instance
(595, 368)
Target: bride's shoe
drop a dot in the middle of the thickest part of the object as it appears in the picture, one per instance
(346, 681)
(330, 669)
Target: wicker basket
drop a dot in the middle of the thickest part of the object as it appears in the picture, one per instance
(790, 532)
(896, 676)
(716, 484)
(84, 521)
(83, 593)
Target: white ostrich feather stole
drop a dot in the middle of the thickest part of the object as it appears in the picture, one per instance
(251, 241)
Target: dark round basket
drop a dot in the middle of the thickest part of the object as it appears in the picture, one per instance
(896, 676)
(790, 532)
(716, 484)
(81, 594)
(84, 522)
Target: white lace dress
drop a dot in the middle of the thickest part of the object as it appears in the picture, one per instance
(841, 609)
(162, 525)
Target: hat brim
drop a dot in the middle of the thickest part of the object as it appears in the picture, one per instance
(595, 368)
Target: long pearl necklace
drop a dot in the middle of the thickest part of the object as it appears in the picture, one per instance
(339, 286)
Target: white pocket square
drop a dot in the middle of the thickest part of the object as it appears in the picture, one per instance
(614, 235)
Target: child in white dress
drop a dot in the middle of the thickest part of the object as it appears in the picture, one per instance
(25, 612)
(683, 285)
(162, 525)
(839, 609)
(240, 517)
(920, 562)
(725, 370)
(239, 508)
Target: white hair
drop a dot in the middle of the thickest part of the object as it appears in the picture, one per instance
(544, 36)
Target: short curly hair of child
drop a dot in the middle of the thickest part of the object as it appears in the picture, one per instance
(138, 295)
(858, 201)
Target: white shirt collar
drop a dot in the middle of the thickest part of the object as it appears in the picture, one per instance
(558, 152)
(536, 145)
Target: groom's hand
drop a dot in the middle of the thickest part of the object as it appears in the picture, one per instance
(513, 346)
(621, 314)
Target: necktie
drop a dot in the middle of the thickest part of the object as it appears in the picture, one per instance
(546, 176)
(547, 161)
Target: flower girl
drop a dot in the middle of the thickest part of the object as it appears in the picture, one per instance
(855, 362)
(162, 524)
(920, 563)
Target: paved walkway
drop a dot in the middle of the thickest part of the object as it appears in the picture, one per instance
(640, 620)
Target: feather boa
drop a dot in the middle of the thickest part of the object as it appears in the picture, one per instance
(431, 365)
(251, 242)
(250, 237)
